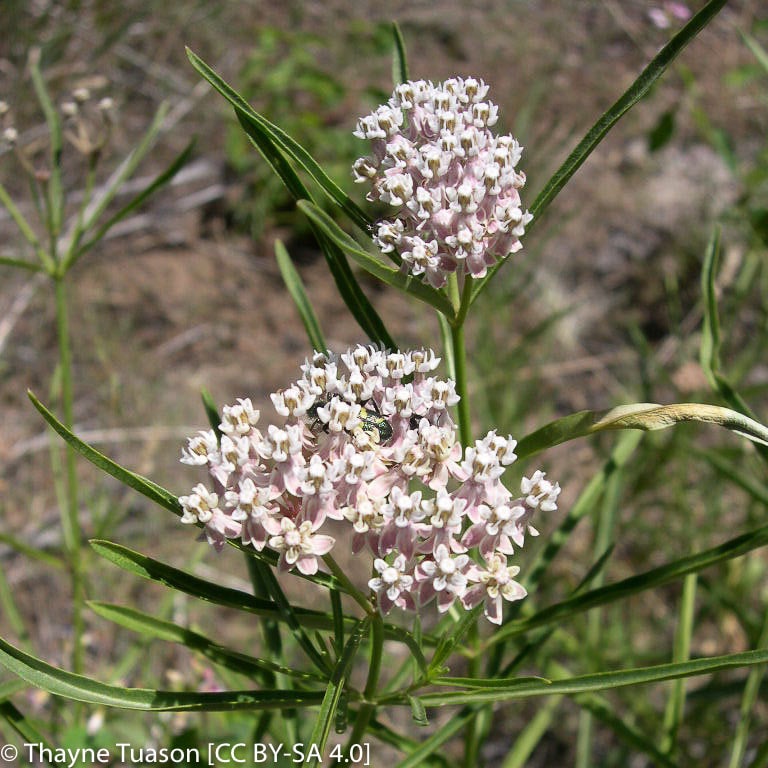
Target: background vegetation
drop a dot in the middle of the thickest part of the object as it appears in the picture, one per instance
(603, 306)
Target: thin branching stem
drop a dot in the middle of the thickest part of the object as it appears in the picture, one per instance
(70, 518)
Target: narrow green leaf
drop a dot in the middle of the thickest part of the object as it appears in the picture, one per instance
(391, 276)
(146, 487)
(281, 140)
(757, 50)
(21, 264)
(156, 184)
(449, 640)
(212, 412)
(399, 56)
(26, 730)
(153, 491)
(349, 289)
(673, 714)
(655, 577)
(296, 289)
(55, 191)
(148, 568)
(644, 416)
(291, 617)
(60, 682)
(153, 627)
(606, 712)
(22, 224)
(418, 711)
(639, 89)
(490, 684)
(709, 350)
(599, 682)
(9, 687)
(338, 622)
(126, 169)
(336, 686)
(32, 552)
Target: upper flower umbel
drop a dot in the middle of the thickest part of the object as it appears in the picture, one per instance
(452, 180)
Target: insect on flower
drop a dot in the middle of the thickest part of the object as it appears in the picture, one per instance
(374, 428)
(374, 424)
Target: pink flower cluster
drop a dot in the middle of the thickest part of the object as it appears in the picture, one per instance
(368, 440)
(452, 180)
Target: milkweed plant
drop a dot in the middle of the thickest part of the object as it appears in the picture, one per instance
(369, 458)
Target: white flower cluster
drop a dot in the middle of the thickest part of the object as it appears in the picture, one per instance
(368, 439)
(453, 181)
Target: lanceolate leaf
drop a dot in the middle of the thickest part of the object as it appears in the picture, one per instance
(141, 484)
(709, 352)
(150, 626)
(349, 290)
(394, 277)
(295, 287)
(656, 577)
(336, 686)
(151, 490)
(645, 416)
(59, 682)
(25, 729)
(399, 56)
(607, 120)
(281, 140)
(501, 690)
(276, 147)
(147, 568)
(135, 202)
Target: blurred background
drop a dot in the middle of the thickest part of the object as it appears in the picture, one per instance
(602, 306)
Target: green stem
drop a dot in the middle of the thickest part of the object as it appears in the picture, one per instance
(368, 708)
(70, 520)
(77, 232)
(460, 363)
(458, 356)
(746, 711)
(349, 587)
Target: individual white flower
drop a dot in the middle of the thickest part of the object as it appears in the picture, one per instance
(491, 584)
(539, 492)
(443, 577)
(201, 449)
(393, 584)
(239, 419)
(299, 545)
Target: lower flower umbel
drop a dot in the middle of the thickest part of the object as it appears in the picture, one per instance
(366, 438)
